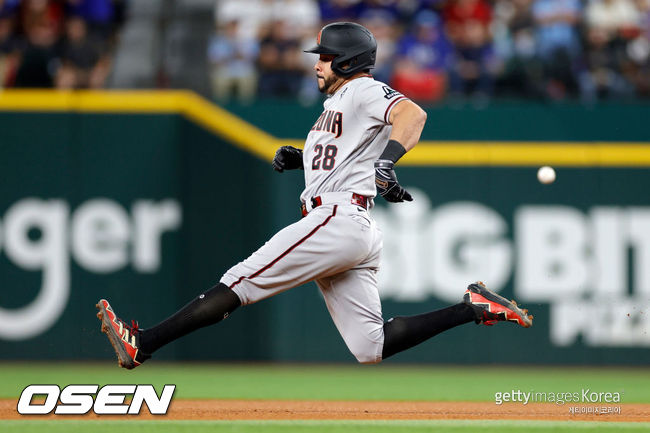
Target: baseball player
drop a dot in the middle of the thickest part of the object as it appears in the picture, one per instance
(349, 156)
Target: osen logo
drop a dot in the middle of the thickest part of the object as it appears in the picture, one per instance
(109, 400)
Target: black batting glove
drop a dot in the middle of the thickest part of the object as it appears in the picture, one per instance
(287, 158)
(386, 182)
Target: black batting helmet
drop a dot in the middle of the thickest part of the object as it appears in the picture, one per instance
(351, 43)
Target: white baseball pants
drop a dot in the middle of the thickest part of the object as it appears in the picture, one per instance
(338, 246)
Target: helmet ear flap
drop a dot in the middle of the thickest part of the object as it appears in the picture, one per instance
(353, 45)
(342, 65)
(354, 63)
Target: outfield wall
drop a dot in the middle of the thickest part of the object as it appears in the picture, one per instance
(146, 199)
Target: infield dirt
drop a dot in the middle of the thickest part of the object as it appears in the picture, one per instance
(362, 410)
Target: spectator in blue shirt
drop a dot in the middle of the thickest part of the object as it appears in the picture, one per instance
(97, 13)
(558, 43)
(423, 57)
(232, 57)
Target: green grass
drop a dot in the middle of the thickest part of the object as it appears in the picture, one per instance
(349, 382)
(329, 382)
(317, 426)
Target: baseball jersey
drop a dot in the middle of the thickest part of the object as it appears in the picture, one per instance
(347, 139)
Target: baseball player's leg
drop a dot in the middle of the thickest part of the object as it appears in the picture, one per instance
(353, 302)
(314, 246)
(401, 333)
(133, 345)
(323, 243)
(480, 305)
(217, 303)
(206, 309)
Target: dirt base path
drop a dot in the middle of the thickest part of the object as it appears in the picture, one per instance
(365, 410)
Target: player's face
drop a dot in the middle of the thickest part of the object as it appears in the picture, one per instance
(328, 81)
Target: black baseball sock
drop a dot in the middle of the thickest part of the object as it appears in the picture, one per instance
(206, 309)
(401, 333)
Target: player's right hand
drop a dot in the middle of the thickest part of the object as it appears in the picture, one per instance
(287, 158)
(386, 182)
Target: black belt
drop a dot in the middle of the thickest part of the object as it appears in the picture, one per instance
(356, 199)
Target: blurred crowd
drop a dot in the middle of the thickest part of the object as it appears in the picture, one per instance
(66, 44)
(442, 49)
(428, 49)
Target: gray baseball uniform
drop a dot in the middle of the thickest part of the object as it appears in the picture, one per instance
(337, 243)
(348, 157)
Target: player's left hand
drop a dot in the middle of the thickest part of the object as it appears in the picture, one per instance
(386, 182)
(287, 158)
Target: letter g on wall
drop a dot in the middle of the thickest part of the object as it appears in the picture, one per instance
(48, 254)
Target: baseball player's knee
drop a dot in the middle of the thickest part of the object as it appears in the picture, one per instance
(364, 340)
(367, 352)
(367, 358)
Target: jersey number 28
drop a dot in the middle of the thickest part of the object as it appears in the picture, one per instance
(327, 156)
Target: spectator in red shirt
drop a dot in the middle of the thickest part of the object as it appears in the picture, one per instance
(457, 13)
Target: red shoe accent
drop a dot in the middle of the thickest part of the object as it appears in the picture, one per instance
(121, 336)
(492, 308)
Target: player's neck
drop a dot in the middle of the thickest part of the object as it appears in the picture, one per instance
(343, 81)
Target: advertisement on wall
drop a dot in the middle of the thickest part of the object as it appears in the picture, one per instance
(592, 268)
(141, 218)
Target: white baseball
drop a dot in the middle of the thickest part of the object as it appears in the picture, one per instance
(546, 174)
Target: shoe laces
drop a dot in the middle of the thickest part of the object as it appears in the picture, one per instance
(126, 330)
(135, 327)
